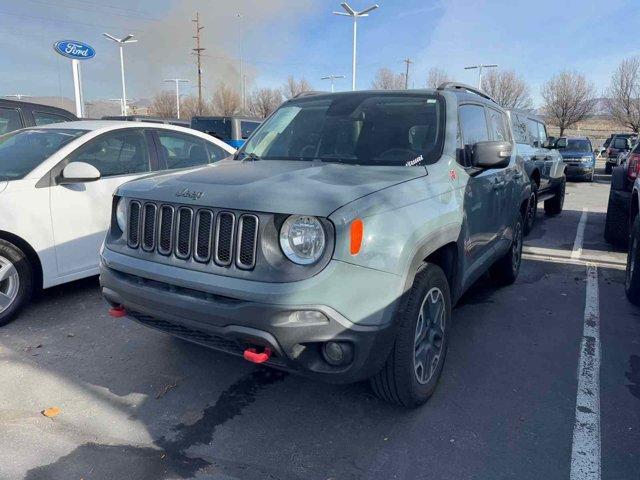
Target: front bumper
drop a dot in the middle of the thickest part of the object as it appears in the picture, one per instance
(231, 322)
(580, 171)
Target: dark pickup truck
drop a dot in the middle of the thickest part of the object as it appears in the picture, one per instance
(16, 114)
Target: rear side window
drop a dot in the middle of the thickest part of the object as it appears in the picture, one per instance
(122, 152)
(9, 120)
(247, 128)
(534, 133)
(498, 126)
(474, 124)
(42, 118)
(180, 150)
(542, 133)
(520, 129)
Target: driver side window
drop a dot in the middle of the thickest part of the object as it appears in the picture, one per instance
(122, 152)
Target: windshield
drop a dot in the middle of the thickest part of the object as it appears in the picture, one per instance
(575, 145)
(370, 128)
(218, 127)
(23, 150)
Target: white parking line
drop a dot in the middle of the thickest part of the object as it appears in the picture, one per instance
(585, 451)
(577, 244)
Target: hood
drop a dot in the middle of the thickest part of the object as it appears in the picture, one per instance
(302, 187)
(573, 154)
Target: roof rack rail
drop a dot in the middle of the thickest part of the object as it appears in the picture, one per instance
(465, 87)
(309, 93)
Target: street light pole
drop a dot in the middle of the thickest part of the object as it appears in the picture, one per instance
(332, 78)
(121, 42)
(480, 67)
(350, 12)
(177, 81)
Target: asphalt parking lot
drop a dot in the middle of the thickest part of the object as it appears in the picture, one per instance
(138, 404)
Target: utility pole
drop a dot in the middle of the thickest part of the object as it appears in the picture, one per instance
(332, 78)
(480, 67)
(198, 51)
(177, 81)
(408, 61)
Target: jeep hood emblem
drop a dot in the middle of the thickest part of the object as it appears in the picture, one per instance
(192, 194)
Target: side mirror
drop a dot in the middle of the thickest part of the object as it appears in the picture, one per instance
(491, 154)
(79, 172)
(550, 143)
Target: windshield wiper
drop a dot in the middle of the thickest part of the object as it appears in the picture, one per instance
(249, 156)
(338, 158)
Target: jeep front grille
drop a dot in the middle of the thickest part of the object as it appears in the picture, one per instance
(202, 234)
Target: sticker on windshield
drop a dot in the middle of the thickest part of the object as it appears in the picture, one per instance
(415, 161)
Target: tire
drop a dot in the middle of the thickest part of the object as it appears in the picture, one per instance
(532, 210)
(608, 168)
(16, 285)
(505, 270)
(403, 380)
(632, 279)
(616, 224)
(554, 205)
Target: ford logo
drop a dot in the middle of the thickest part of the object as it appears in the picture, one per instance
(75, 50)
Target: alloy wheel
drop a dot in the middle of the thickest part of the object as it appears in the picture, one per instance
(532, 209)
(429, 335)
(631, 260)
(9, 283)
(516, 247)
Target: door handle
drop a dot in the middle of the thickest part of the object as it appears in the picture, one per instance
(517, 175)
(498, 185)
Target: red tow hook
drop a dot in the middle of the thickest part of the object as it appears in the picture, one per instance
(117, 312)
(252, 355)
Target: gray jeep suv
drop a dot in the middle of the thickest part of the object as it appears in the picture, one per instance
(335, 242)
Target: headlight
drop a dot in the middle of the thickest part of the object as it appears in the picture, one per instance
(302, 239)
(586, 159)
(121, 214)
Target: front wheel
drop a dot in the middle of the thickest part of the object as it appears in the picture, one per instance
(554, 205)
(414, 365)
(532, 210)
(608, 168)
(16, 281)
(632, 280)
(505, 270)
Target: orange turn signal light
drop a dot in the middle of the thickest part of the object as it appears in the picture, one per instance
(357, 235)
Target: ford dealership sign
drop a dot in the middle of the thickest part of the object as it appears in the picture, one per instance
(74, 50)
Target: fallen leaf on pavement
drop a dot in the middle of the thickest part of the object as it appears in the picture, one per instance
(51, 412)
(164, 391)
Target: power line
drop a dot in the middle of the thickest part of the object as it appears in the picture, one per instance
(57, 20)
(93, 9)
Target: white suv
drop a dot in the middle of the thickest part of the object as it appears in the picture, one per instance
(56, 187)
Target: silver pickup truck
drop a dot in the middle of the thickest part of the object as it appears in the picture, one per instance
(335, 242)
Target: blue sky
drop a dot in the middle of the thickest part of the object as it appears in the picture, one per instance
(302, 38)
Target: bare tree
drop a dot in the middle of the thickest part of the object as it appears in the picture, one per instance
(623, 102)
(507, 88)
(163, 105)
(387, 80)
(437, 77)
(263, 101)
(189, 107)
(295, 87)
(568, 98)
(226, 101)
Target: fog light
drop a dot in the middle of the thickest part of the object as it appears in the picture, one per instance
(308, 317)
(337, 353)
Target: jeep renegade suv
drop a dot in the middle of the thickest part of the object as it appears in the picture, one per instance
(335, 242)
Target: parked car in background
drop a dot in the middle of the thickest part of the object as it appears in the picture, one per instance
(336, 241)
(542, 162)
(620, 143)
(578, 157)
(232, 130)
(16, 114)
(616, 228)
(56, 188)
(632, 279)
(147, 119)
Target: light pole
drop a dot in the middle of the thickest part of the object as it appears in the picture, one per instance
(242, 76)
(177, 81)
(480, 67)
(121, 42)
(332, 78)
(350, 12)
